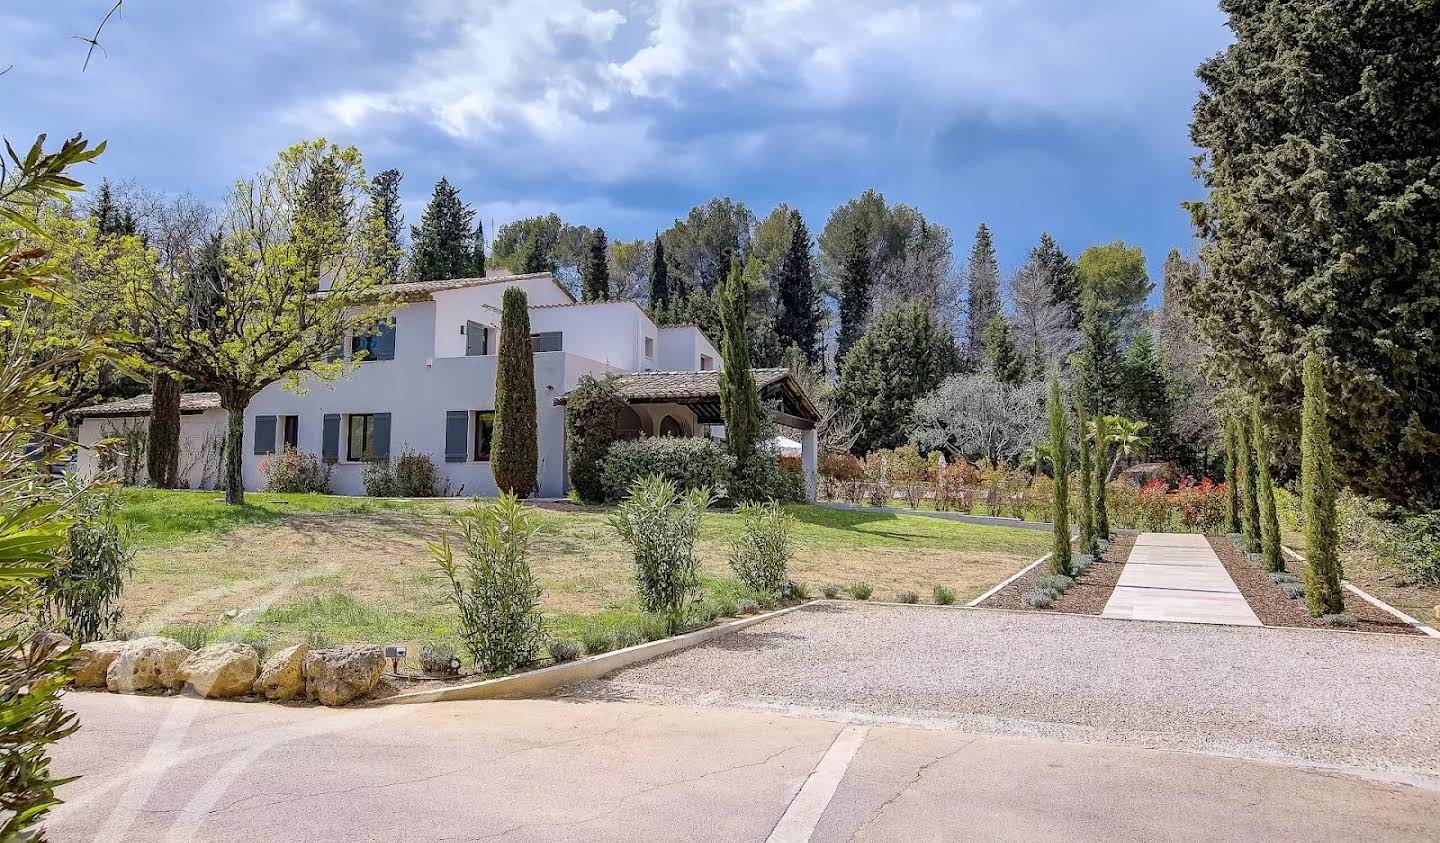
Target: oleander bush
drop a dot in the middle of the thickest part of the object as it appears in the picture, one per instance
(661, 525)
(761, 553)
(82, 598)
(907, 597)
(296, 472)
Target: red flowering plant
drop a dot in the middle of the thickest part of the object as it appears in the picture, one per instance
(1154, 506)
(1201, 505)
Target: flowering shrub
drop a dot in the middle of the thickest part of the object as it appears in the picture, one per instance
(955, 483)
(295, 471)
(1191, 507)
(1154, 508)
(1201, 505)
(842, 476)
(910, 472)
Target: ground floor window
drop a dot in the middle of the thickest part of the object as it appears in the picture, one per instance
(290, 430)
(362, 437)
(484, 430)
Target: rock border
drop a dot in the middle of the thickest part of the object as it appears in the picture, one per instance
(536, 683)
(1419, 626)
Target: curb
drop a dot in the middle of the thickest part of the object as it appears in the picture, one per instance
(973, 604)
(1420, 626)
(536, 683)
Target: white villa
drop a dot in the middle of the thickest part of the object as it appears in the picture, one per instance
(428, 384)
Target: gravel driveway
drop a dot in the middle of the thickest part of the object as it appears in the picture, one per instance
(1363, 703)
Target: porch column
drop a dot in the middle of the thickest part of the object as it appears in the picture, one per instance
(809, 461)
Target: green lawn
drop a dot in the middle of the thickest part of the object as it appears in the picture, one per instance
(284, 568)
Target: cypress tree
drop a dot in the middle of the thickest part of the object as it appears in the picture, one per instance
(1144, 392)
(1232, 478)
(1323, 595)
(659, 278)
(739, 397)
(984, 293)
(798, 319)
(856, 279)
(1274, 562)
(1099, 458)
(1249, 502)
(595, 267)
(514, 457)
(1060, 451)
(1088, 543)
(385, 194)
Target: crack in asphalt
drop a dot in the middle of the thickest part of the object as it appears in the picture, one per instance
(914, 780)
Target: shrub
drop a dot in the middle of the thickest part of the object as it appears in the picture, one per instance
(562, 650)
(416, 475)
(1293, 590)
(296, 472)
(515, 451)
(494, 588)
(726, 608)
(82, 599)
(1282, 576)
(624, 637)
(379, 479)
(439, 659)
(793, 590)
(842, 476)
(193, 635)
(661, 526)
(597, 640)
(688, 464)
(761, 477)
(1040, 598)
(954, 481)
(1058, 583)
(746, 606)
(907, 597)
(591, 412)
(910, 473)
(1082, 562)
(830, 590)
(861, 591)
(877, 479)
(1341, 619)
(943, 595)
(761, 553)
(653, 627)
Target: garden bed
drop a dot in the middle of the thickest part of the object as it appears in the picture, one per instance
(1274, 608)
(1087, 596)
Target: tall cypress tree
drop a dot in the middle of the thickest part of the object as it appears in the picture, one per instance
(659, 278)
(1232, 478)
(739, 396)
(595, 267)
(1088, 543)
(385, 194)
(854, 285)
(1060, 452)
(1249, 503)
(798, 319)
(1101, 456)
(1323, 573)
(444, 244)
(984, 294)
(1274, 562)
(1100, 349)
(515, 454)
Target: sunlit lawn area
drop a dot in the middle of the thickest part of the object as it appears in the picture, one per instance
(357, 569)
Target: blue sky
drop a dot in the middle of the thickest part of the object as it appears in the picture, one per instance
(1030, 115)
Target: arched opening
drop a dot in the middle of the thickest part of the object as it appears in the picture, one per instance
(627, 424)
(669, 426)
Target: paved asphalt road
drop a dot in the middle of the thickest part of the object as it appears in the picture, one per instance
(168, 768)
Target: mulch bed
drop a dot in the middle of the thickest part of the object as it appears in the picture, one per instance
(1273, 608)
(1087, 596)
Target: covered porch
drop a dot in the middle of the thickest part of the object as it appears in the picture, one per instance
(688, 404)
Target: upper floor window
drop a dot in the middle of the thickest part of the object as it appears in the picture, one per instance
(649, 348)
(477, 339)
(547, 341)
(376, 346)
(706, 362)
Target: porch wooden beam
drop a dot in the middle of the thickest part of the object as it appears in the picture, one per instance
(794, 422)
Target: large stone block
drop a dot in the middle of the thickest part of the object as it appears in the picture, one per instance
(342, 674)
(283, 677)
(94, 660)
(221, 670)
(147, 664)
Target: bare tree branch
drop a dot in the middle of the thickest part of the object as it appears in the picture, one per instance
(94, 40)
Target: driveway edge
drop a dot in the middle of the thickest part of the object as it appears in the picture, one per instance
(537, 683)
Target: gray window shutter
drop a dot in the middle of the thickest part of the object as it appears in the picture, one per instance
(457, 428)
(385, 348)
(264, 435)
(381, 451)
(330, 438)
(474, 339)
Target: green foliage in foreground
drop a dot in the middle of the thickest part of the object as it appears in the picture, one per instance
(1060, 447)
(1317, 481)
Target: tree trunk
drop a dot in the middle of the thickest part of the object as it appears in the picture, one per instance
(234, 446)
(162, 456)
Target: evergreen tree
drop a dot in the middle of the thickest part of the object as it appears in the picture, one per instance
(1088, 537)
(109, 217)
(855, 280)
(595, 267)
(1101, 428)
(444, 244)
(1274, 562)
(1323, 594)
(983, 299)
(798, 319)
(1115, 274)
(1232, 478)
(905, 354)
(1060, 558)
(1249, 503)
(385, 199)
(1100, 351)
(514, 456)
(1045, 330)
(739, 396)
(659, 279)
(1060, 276)
(1144, 392)
(1006, 362)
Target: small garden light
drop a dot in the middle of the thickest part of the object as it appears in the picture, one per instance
(395, 652)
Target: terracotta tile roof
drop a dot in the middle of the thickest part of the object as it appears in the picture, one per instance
(666, 386)
(190, 402)
(421, 290)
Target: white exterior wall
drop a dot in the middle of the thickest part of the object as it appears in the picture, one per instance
(200, 437)
(453, 308)
(681, 350)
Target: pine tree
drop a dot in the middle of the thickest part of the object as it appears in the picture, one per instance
(1323, 573)
(595, 267)
(108, 217)
(1144, 392)
(659, 279)
(443, 245)
(385, 196)
(514, 456)
(1100, 349)
(1059, 272)
(739, 396)
(798, 319)
(1249, 503)
(856, 279)
(1274, 561)
(1088, 537)
(984, 295)
(1232, 478)
(1006, 362)
(1060, 451)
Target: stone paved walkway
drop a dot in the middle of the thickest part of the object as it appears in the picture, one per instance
(1177, 577)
